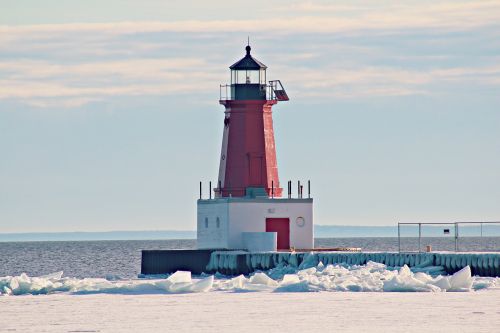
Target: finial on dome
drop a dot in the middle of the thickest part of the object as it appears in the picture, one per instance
(248, 48)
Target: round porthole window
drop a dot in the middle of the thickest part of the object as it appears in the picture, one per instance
(300, 221)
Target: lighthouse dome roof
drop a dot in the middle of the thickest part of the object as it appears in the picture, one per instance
(248, 62)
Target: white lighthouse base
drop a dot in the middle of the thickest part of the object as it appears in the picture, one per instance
(224, 222)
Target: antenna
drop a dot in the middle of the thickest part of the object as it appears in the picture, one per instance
(248, 41)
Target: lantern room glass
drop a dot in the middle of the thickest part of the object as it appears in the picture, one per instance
(248, 76)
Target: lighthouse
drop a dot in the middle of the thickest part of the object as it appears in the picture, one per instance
(248, 210)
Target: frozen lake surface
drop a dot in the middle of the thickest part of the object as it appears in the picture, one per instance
(254, 312)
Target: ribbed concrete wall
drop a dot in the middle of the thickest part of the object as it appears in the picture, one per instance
(483, 264)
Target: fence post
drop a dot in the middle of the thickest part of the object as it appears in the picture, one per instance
(399, 238)
(419, 236)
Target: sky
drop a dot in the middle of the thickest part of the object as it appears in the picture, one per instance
(109, 113)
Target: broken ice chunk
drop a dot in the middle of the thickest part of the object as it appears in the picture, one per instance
(203, 285)
(461, 280)
(290, 279)
(261, 278)
(442, 282)
(180, 277)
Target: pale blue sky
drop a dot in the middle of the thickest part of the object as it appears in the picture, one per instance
(109, 110)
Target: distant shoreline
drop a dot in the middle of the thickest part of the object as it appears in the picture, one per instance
(320, 231)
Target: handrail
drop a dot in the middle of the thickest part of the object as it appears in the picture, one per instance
(455, 224)
(274, 85)
(217, 191)
(444, 223)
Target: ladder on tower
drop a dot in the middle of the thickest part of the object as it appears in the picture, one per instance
(278, 90)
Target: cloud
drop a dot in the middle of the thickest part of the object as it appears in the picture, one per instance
(40, 83)
(345, 50)
(68, 103)
(320, 18)
(387, 81)
(132, 68)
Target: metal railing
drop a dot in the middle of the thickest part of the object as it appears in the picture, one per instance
(225, 91)
(217, 192)
(277, 91)
(445, 231)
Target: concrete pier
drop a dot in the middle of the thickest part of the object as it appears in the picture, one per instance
(170, 261)
(242, 262)
(237, 262)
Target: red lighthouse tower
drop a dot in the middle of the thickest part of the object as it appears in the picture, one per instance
(247, 211)
(248, 166)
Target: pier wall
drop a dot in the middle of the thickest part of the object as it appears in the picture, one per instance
(170, 261)
(483, 264)
(241, 262)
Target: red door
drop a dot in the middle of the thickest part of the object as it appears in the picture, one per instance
(282, 227)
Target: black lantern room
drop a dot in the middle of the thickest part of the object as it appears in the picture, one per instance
(248, 78)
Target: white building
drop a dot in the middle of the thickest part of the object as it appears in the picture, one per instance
(232, 223)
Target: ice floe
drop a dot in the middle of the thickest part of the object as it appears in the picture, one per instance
(309, 276)
(179, 282)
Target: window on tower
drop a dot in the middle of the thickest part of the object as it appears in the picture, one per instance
(248, 76)
(262, 76)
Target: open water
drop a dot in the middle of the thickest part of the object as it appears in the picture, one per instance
(113, 259)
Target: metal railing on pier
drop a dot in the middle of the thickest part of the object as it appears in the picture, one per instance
(446, 230)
